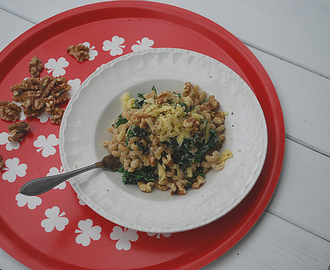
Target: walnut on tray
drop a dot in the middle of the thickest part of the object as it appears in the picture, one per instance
(18, 130)
(35, 67)
(9, 111)
(38, 95)
(80, 52)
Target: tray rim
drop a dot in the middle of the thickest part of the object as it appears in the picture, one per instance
(62, 21)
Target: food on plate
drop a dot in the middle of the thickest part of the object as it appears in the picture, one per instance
(80, 52)
(169, 140)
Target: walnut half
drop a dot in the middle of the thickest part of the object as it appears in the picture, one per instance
(35, 67)
(80, 52)
(9, 111)
(18, 131)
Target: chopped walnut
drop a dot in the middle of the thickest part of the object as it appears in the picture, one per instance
(198, 182)
(146, 187)
(18, 131)
(164, 97)
(38, 95)
(50, 104)
(9, 111)
(80, 52)
(35, 67)
(57, 116)
(2, 163)
(191, 124)
(20, 91)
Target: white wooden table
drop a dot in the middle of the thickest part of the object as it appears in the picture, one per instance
(291, 39)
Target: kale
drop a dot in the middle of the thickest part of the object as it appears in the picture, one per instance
(145, 175)
(199, 171)
(181, 153)
(135, 131)
(153, 88)
(120, 120)
(139, 101)
(212, 142)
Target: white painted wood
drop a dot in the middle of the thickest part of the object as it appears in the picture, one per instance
(277, 245)
(11, 27)
(298, 31)
(302, 193)
(304, 98)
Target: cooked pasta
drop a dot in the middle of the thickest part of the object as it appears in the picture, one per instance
(169, 140)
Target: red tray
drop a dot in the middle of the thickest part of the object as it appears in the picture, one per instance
(56, 231)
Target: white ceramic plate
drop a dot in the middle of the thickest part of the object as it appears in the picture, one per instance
(95, 106)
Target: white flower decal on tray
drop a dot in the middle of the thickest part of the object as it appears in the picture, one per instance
(87, 232)
(144, 44)
(115, 46)
(13, 169)
(80, 200)
(158, 235)
(54, 219)
(57, 66)
(44, 117)
(31, 201)
(46, 145)
(54, 171)
(92, 52)
(9, 145)
(124, 236)
(75, 84)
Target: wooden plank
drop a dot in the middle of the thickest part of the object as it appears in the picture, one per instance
(276, 244)
(303, 191)
(278, 28)
(10, 31)
(304, 97)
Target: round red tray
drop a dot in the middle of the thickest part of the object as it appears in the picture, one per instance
(55, 230)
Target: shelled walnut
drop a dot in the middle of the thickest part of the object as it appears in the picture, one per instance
(80, 52)
(57, 116)
(9, 111)
(35, 67)
(38, 95)
(18, 131)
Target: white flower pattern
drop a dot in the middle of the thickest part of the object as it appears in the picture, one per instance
(31, 201)
(44, 117)
(9, 145)
(124, 237)
(92, 51)
(46, 146)
(80, 200)
(54, 219)
(87, 232)
(13, 169)
(115, 46)
(57, 66)
(144, 44)
(158, 235)
(75, 84)
(54, 171)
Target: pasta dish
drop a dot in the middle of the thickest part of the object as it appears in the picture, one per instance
(169, 140)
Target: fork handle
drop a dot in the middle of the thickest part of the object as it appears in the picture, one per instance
(44, 184)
